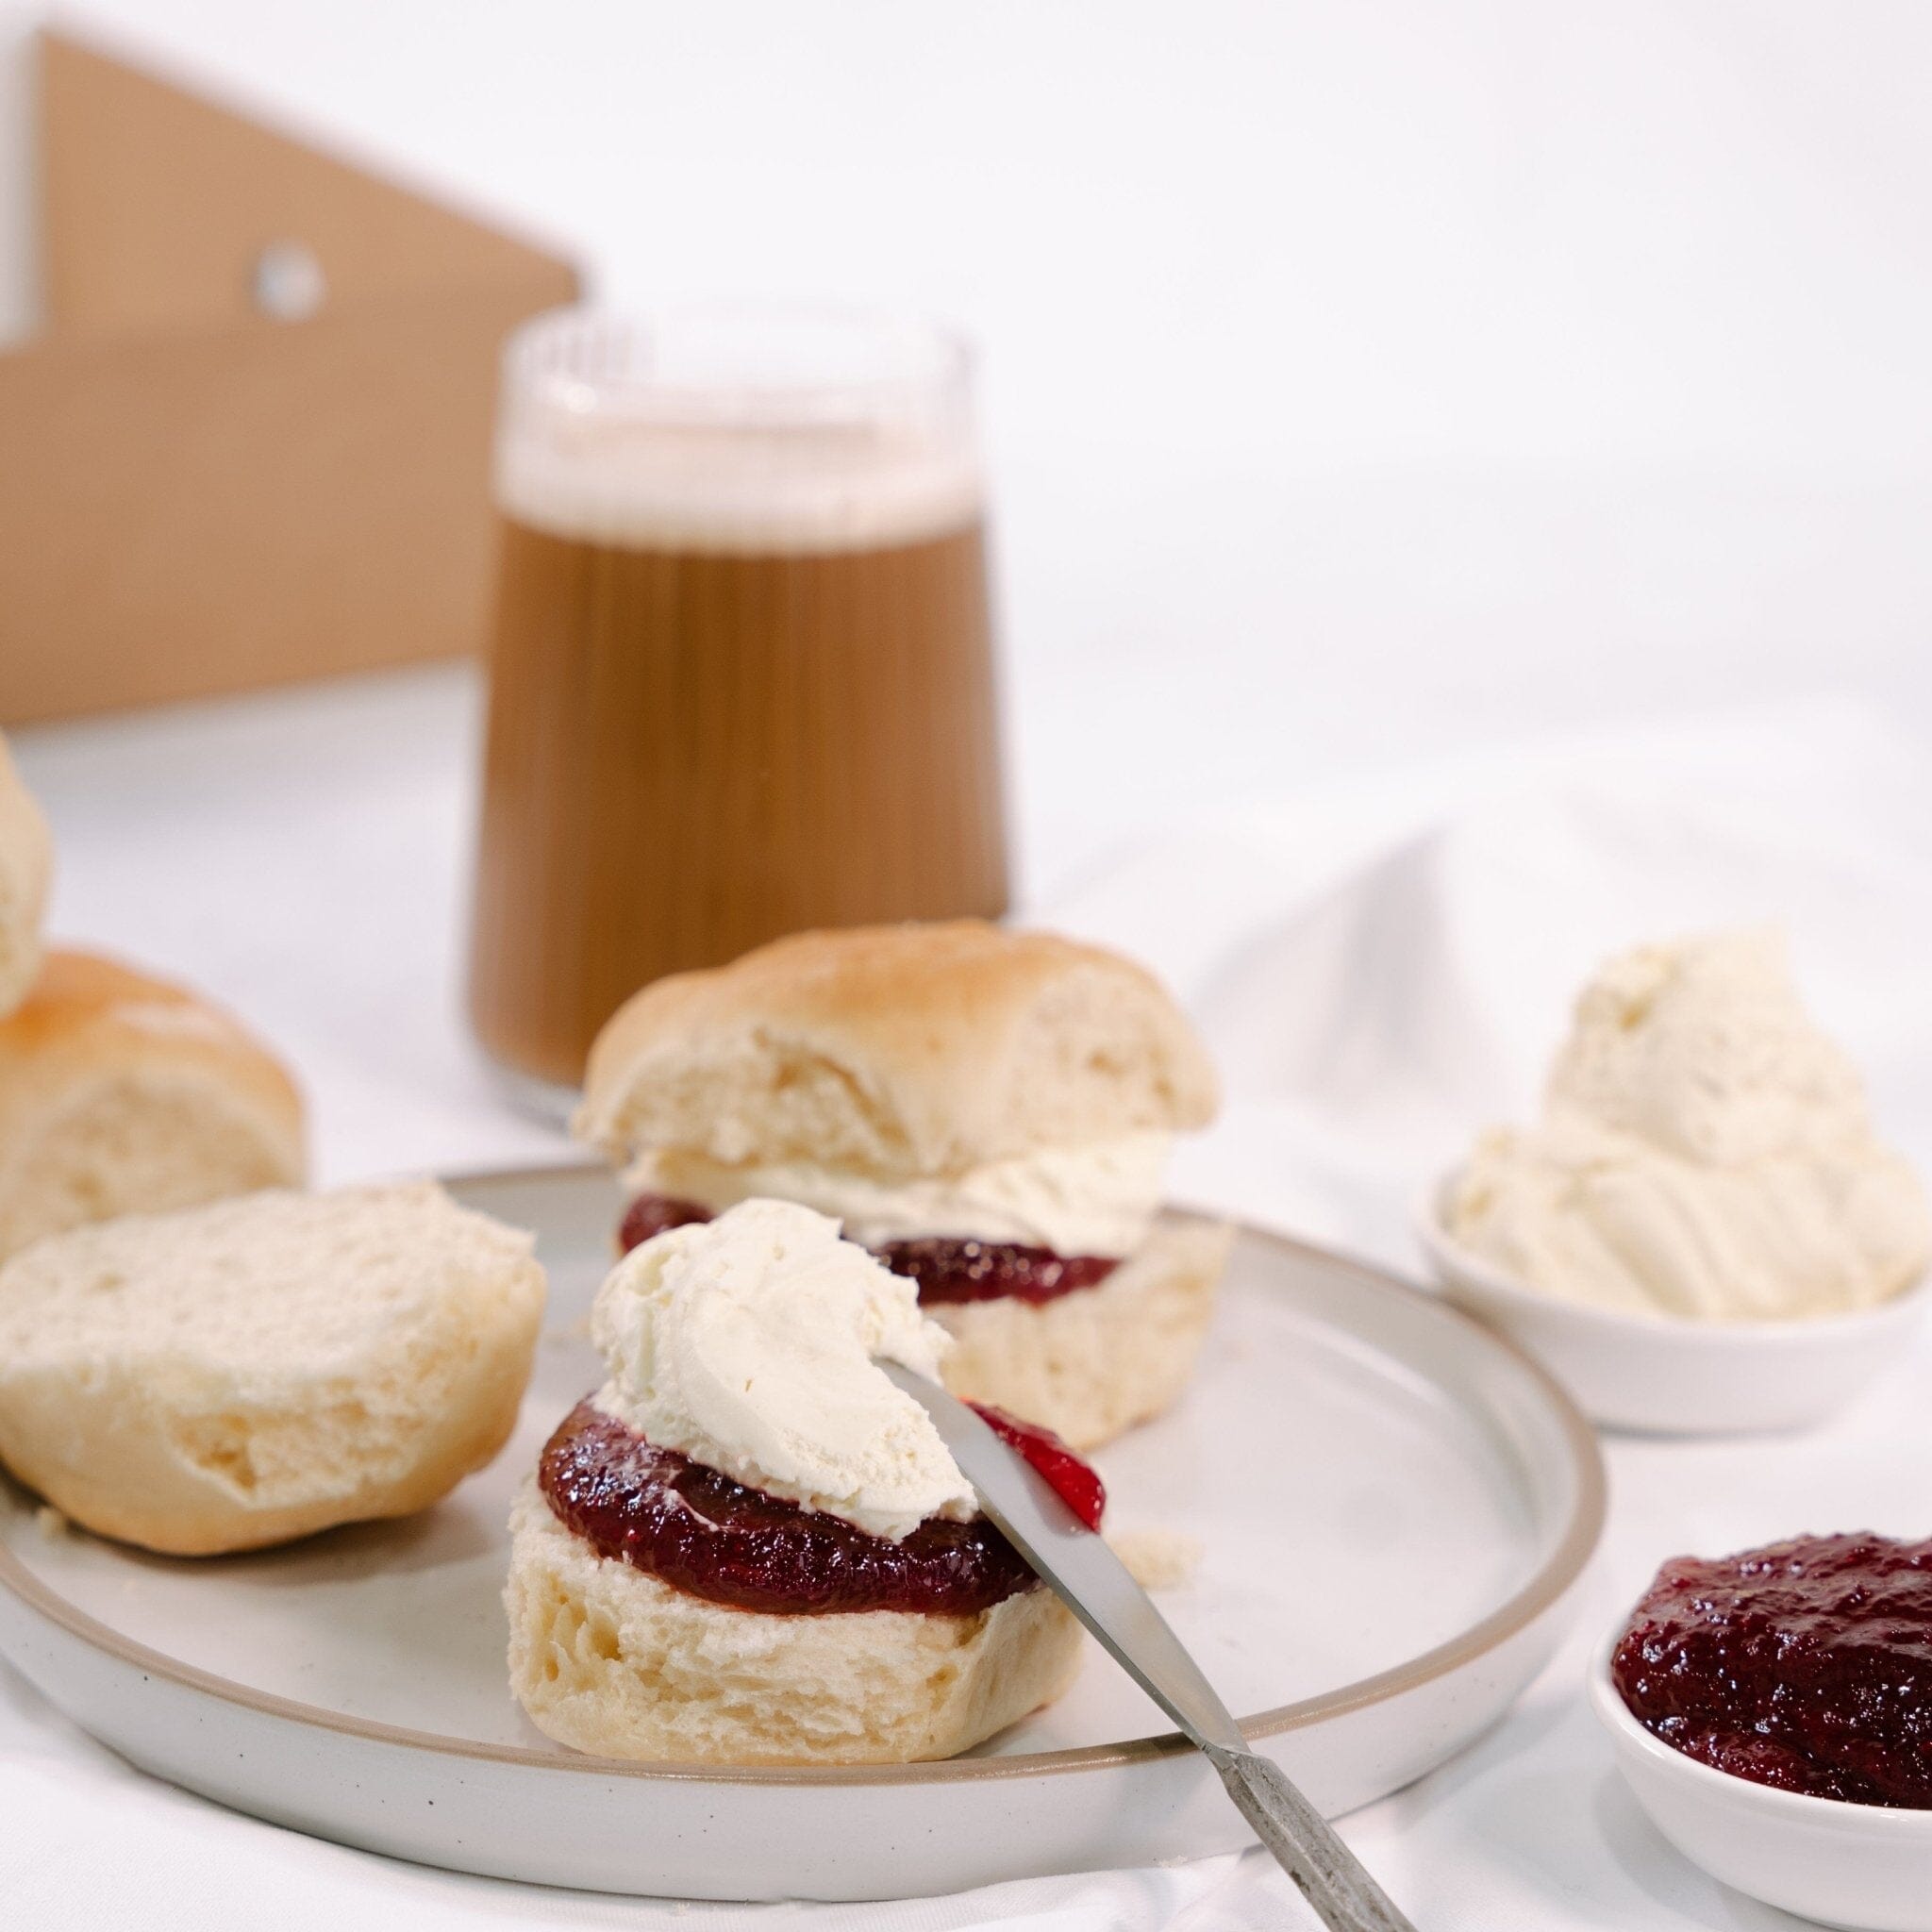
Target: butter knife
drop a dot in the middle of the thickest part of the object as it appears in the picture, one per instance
(1093, 1583)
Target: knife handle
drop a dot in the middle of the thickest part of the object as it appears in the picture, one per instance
(1327, 1873)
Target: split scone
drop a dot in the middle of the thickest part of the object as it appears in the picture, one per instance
(26, 859)
(123, 1094)
(243, 1374)
(989, 1113)
(749, 1546)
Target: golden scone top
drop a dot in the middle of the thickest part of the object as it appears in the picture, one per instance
(122, 1093)
(906, 1049)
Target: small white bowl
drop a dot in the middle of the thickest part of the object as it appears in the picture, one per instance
(1672, 1377)
(1861, 1867)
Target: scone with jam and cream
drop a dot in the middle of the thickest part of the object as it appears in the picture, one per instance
(749, 1546)
(989, 1113)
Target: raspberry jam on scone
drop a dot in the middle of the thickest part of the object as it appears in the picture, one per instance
(696, 1530)
(945, 1268)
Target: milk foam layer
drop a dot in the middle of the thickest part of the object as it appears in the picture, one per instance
(1096, 1199)
(1704, 1152)
(738, 430)
(751, 1343)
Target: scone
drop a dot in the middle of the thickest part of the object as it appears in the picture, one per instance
(749, 1546)
(242, 1374)
(121, 1094)
(26, 859)
(989, 1113)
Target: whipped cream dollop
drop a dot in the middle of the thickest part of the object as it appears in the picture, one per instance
(751, 1343)
(1704, 1152)
(1097, 1199)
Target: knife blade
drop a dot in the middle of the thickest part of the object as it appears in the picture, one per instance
(1093, 1583)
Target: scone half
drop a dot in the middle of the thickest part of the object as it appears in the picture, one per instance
(614, 1662)
(121, 1093)
(239, 1374)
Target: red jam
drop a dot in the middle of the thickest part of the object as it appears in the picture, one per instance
(652, 1214)
(1075, 1480)
(698, 1530)
(1806, 1665)
(951, 1269)
(947, 1267)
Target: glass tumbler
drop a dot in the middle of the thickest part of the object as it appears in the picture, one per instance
(740, 665)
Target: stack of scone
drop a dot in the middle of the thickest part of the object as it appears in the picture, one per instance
(749, 1546)
(989, 1113)
(242, 1371)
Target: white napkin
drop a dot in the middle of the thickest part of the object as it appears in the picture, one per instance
(1369, 1017)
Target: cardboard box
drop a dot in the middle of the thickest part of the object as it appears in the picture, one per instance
(252, 444)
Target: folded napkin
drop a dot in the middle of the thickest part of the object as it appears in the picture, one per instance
(1382, 969)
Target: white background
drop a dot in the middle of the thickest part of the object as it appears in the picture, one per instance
(1360, 380)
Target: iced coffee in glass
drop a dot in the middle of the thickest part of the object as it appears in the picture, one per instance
(741, 677)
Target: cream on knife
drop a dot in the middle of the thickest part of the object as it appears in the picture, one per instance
(1091, 1581)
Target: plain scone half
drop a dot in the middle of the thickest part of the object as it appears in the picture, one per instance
(238, 1375)
(896, 1051)
(27, 862)
(121, 1093)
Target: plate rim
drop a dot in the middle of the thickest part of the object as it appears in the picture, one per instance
(1538, 1594)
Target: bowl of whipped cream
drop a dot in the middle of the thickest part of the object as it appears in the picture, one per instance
(1703, 1233)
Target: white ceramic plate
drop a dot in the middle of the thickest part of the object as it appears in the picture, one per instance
(1394, 1509)
(1662, 1376)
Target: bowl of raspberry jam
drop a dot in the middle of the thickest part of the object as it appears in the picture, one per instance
(1771, 1711)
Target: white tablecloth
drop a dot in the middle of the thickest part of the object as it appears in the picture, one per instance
(1380, 966)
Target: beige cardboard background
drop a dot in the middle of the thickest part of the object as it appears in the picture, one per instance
(193, 497)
